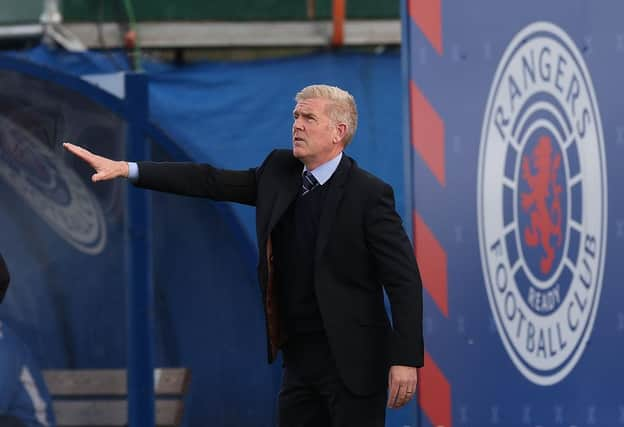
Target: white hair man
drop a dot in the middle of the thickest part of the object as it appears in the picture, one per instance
(329, 243)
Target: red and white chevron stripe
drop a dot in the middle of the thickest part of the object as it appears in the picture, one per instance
(427, 139)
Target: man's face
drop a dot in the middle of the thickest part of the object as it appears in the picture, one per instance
(314, 137)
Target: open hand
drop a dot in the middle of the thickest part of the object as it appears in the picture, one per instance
(105, 168)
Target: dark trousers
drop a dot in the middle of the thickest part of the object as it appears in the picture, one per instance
(313, 395)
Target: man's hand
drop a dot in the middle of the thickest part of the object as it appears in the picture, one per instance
(402, 382)
(105, 168)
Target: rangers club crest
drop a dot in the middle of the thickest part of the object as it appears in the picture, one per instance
(542, 202)
(52, 189)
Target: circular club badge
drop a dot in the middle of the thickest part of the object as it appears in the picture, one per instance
(52, 189)
(542, 202)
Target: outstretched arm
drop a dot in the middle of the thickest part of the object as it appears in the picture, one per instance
(105, 168)
(186, 178)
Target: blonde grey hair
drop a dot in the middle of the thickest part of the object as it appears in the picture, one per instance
(341, 108)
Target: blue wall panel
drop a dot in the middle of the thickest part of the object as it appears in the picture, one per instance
(534, 368)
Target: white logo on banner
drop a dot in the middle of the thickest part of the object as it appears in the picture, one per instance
(52, 189)
(542, 202)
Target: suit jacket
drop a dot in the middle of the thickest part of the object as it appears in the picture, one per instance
(361, 248)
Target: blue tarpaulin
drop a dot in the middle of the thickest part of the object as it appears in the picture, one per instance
(208, 314)
(233, 113)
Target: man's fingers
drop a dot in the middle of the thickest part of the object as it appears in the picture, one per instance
(401, 396)
(393, 390)
(410, 389)
(398, 393)
(405, 394)
(105, 168)
(78, 151)
(83, 154)
(402, 381)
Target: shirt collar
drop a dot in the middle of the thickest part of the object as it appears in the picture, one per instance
(326, 170)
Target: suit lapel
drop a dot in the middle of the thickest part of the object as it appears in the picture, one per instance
(332, 200)
(286, 194)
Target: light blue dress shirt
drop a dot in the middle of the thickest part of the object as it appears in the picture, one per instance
(326, 170)
(133, 171)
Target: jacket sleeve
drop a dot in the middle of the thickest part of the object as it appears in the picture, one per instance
(397, 271)
(199, 180)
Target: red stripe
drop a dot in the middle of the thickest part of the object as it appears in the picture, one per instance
(427, 14)
(434, 394)
(427, 133)
(427, 138)
(432, 263)
(338, 11)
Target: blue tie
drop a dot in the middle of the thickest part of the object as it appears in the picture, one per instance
(308, 183)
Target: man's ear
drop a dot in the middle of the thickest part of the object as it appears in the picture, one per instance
(341, 132)
(4, 278)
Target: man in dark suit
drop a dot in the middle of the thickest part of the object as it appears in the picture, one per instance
(329, 242)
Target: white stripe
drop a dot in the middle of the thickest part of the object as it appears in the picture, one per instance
(35, 396)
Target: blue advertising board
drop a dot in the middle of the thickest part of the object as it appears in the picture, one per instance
(515, 132)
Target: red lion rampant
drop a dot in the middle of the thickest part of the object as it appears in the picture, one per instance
(545, 220)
